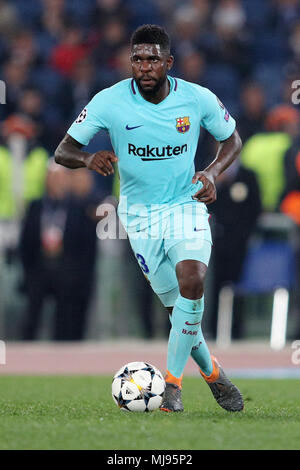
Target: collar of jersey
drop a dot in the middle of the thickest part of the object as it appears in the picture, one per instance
(139, 97)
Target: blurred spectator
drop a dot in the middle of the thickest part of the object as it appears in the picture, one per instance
(107, 10)
(54, 7)
(290, 205)
(72, 48)
(80, 255)
(185, 29)
(113, 37)
(28, 12)
(294, 41)
(51, 25)
(58, 252)
(234, 216)
(41, 249)
(18, 76)
(253, 110)
(8, 18)
(29, 102)
(21, 176)
(53, 16)
(284, 14)
(290, 201)
(23, 48)
(192, 67)
(201, 10)
(122, 66)
(231, 43)
(264, 153)
(79, 90)
(143, 12)
(214, 37)
(229, 18)
(31, 105)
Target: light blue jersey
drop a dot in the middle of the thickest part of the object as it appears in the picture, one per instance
(155, 143)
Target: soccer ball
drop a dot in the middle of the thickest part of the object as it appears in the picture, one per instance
(138, 386)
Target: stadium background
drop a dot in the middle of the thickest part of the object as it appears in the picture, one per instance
(54, 55)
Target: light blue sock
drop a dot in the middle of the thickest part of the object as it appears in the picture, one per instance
(186, 319)
(200, 352)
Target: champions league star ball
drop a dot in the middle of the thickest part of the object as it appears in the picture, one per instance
(138, 386)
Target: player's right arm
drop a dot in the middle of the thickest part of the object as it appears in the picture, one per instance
(70, 155)
(93, 118)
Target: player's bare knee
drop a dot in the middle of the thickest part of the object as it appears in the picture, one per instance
(191, 275)
(191, 284)
(191, 287)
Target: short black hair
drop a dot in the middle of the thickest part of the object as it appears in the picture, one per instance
(151, 34)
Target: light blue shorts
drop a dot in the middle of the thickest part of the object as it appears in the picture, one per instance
(182, 233)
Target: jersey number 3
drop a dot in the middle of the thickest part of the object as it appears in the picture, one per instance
(142, 263)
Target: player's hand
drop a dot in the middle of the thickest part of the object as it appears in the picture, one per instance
(101, 162)
(208, 192)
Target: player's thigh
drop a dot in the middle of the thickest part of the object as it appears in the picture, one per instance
(188, 235)
(198, 250)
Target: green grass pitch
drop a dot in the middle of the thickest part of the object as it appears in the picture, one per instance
(78, 413)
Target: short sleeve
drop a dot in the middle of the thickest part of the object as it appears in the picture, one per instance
(90, 121)
(216, 119)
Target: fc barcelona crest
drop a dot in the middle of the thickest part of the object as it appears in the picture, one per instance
(183, 124)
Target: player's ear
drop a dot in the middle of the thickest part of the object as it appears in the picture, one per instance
(170, 62)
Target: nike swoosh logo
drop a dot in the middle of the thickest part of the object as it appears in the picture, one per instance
(191, 324)
(198, 229)
(134, 127)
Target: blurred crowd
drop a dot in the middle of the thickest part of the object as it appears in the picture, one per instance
(56, 54)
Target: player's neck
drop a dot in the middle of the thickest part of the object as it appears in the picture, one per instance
(159, 95)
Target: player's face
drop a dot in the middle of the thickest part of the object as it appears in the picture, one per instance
(150, 66)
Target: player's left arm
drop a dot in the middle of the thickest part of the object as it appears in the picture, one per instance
(228, 151)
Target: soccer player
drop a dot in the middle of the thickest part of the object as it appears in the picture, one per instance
(154, 121)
